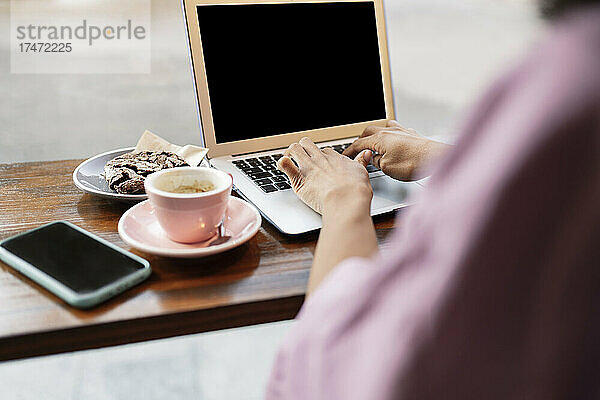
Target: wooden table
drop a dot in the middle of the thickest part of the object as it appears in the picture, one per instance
(261, 281)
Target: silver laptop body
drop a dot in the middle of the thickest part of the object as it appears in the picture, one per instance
(268, 73)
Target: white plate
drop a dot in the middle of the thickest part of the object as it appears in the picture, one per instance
(139, 228)
(88, 177)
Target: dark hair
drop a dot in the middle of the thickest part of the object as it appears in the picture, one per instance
(554, 8)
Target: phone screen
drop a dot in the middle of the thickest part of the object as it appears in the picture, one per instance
(71, 257)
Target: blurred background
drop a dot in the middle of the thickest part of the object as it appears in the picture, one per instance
(443, 54)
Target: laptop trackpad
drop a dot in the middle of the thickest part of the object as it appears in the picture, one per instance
(389, 192)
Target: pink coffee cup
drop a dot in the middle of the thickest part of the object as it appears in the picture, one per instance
(189, 217)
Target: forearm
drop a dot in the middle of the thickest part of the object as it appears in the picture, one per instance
(427, 153)
(436, 150)
(347, 231)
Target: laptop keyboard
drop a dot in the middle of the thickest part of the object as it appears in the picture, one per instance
(264, 173)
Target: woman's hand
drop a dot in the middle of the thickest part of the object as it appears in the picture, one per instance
(338, 188)
(400, 152)
(324, 179)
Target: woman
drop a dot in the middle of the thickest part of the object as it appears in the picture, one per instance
(490, 288)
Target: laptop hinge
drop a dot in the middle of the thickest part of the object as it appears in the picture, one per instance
(282, 148)
(252, 152)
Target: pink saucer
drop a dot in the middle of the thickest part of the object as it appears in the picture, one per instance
(139, 228)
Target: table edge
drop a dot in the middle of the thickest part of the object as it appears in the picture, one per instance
(148, 328)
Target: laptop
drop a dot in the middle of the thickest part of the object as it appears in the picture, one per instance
(268, 73)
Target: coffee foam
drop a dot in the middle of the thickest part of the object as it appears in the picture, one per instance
(173, 181)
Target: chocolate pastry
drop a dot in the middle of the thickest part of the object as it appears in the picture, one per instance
(125, 174)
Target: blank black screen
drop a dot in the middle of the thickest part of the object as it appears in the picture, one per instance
(78, 261)
(282, 68)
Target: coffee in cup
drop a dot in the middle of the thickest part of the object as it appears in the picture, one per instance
(189, 202)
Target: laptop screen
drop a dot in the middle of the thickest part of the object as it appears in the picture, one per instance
(280, 68)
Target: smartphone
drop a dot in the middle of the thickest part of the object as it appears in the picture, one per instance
(77, 266)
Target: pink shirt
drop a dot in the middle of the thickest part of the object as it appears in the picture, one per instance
(490, 289)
